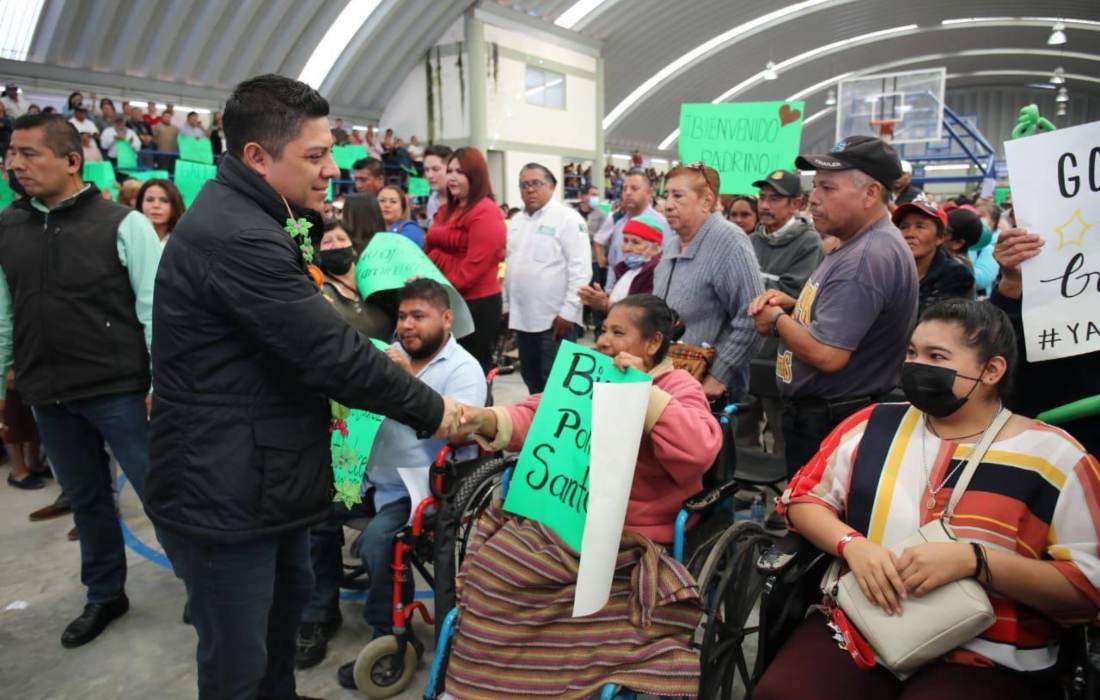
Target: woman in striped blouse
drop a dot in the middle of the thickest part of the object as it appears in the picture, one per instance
(1033, 508)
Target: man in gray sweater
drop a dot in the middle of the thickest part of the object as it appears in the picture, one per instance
(788, 250)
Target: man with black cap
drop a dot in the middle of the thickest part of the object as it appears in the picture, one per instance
(788, 250)
(842, 343)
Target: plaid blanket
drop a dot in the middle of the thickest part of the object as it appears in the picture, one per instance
(516, 636)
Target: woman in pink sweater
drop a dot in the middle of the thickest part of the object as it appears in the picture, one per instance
(519, 570)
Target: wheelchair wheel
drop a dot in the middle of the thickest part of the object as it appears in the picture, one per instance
(379, 673)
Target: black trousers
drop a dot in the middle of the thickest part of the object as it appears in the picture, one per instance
(807, 422)
(486, 313)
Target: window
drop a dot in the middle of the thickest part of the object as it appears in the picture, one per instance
(545, 88)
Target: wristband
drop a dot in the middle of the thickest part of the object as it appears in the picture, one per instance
(774, 327)
(853, 535)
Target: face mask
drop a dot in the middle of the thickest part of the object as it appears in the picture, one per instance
(930, 388)
(337, 261)
(634, 260)
(593, 202)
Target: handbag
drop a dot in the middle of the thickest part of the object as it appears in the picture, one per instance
(935, 623)
(694, 359)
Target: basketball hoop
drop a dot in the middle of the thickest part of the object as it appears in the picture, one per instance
(885, 127)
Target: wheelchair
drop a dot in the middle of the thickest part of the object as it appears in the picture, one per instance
(716, 552)
(432, 544)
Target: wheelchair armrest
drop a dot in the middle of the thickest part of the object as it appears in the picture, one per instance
(790, 548)
(708, 497)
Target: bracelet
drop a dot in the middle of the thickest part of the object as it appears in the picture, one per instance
(853, 535)
(979, 560)
(774, 328)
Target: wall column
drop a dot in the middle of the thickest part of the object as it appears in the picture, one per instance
(601, 158)
(476, 74)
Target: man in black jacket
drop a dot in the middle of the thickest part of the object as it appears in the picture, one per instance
(247, 354)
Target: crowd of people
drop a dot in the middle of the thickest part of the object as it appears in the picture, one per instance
(231, 326)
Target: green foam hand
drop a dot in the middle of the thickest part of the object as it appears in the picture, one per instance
(1030, 122)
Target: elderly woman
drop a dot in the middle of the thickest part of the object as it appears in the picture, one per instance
(1026, 527)
(709, 274)
(642, 239)
(638, 640)
(923, 225)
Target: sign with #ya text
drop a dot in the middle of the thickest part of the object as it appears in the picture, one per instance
(551, 481)
(1055, 181)
(351, 442)
(743, 141)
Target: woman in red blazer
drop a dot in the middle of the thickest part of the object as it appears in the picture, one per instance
(466, 242)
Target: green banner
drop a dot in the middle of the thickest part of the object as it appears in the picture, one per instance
(125, 155)
(419, 187)
(743, 141)
(7, 194)
(144, 175)
(353, 433)
(195, 150)
(345, 156)
(100, 173)
(391, 260)
(190, 177)
(1000, 194)
(550, 483)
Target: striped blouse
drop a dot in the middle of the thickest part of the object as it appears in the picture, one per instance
(1036, 494)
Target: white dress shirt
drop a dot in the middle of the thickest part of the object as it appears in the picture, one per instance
(549, 258)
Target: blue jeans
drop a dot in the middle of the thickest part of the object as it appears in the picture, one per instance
(73, 433)
(536, 356)
(376, 551)
(246, 601)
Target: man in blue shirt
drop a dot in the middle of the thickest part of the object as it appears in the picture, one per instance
(426, 350)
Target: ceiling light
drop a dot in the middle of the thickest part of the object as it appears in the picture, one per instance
(579, 10)
(1063, 95)
(1059, 76)
(336, 40)
(1057, 34)
(769, 72)
(830, 99)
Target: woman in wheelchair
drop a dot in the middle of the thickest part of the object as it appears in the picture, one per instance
(1027, 523)
(516, 636)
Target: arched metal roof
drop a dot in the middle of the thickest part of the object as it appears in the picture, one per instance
(198, 49)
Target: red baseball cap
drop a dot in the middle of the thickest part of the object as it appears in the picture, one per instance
(924, 206)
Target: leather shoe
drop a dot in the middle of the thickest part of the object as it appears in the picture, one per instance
(345, 675)
(59, 507)
(93, 621)
(31, 482)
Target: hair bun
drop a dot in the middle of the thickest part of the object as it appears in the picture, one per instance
(678, 327)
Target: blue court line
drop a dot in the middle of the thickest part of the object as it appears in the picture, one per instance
(149, 554)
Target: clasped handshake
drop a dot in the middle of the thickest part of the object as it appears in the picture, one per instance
(461, 421)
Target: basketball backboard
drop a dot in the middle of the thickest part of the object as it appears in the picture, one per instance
(905, 107)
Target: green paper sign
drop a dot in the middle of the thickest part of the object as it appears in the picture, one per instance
(1000, 194)
(195, 150)
(391, 259)
(328, 192)
(353, 433)
(419, 187)
(550, 483)
(100, 173)
(743, 141)
(144, 175)
(345, 156)
(7, 194)
(190, 177)
(125, 155)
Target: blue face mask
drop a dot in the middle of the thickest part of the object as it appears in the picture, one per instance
(634, 260)
(593, 202)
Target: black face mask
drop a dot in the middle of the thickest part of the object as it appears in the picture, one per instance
(930, 388)
(337, 261)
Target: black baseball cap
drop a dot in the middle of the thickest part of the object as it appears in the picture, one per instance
(784, 182)
(867, 154)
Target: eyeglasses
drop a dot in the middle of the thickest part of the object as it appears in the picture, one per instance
(710, 175)
(531, 184)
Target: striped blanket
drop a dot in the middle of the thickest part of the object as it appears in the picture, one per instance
(516, 636)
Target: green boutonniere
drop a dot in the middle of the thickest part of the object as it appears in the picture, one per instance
(299, 231)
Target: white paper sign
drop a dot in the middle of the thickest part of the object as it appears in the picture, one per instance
(1055, 181)
(416, 483)
(618, 415)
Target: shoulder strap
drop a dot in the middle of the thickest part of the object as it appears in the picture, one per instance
(974, 460)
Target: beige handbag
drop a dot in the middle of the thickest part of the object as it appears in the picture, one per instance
(935, 623)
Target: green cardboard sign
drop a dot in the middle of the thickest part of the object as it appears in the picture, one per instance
(100, 173)
(550, 482)
(353, 433)
(195, 150)
(419, 187)
(144, 175)
(1000, 194)
(743, 141)
(125, 155)
(345, 156)
(391, 259)
(7, 194)
(190, 177)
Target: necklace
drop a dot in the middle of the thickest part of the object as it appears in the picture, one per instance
(933, 492)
